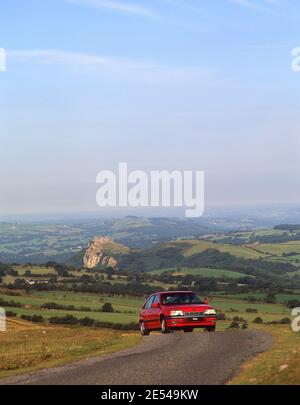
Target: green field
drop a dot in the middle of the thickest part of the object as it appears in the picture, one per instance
(276, 248)
(126, 308)
(197, 246)
(268, 312)
(280, 298)
(204, 272)
(129, 307)
(34, 270)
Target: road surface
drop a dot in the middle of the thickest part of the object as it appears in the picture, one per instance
(177, 358)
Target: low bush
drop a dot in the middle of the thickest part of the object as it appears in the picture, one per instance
(32, 318)
(258, 319)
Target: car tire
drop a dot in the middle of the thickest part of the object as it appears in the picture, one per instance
(186, 330)
(211, 328)
(164, 328)
(144, 331)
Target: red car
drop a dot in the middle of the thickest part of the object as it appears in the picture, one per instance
(171, 310)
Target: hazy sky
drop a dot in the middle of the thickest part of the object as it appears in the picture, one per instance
(160, 84)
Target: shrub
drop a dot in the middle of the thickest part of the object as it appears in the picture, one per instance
(234, 325)
(86, 321)
(33, 318)
(68, 320)
(251, 310)
(14, 304)
(107, 307)
(285, 321)
(54, 305)
(245, 325)
(293, 303)
(238, 319)
(71, 320)
(10, 314)
(258, 319)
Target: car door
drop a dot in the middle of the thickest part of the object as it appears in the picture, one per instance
(155, 312)
(147, 312)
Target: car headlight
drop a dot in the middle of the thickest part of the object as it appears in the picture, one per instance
(210, 312)
(176, 313)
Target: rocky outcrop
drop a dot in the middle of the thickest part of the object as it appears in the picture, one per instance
(99, 253)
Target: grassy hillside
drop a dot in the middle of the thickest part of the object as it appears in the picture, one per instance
(204, 272)
(191, 247)
(279, 365)
(276, 248)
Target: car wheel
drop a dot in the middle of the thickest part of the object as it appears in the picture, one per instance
(188, 329)
(164, 327)
(211, 328)
(144, 331)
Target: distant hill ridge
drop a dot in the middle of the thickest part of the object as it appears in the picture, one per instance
(288, 227)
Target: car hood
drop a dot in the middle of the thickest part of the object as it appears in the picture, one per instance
(189, 307)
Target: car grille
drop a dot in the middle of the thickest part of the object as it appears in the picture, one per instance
(193, 313)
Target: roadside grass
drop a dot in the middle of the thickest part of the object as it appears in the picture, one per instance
(279, 365)
(26, 347)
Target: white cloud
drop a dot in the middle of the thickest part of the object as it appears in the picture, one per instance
(249, 4)
(56, 56)
(124, 69)
(133, 8)
(118, 6)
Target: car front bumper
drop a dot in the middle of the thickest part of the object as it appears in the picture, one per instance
(191, 322)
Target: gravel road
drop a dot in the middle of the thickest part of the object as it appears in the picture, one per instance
(177, 358)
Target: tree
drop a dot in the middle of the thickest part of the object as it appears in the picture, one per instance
(107, 307)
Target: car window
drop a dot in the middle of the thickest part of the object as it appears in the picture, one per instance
(156, 299)
(180, 298)
(149, 302)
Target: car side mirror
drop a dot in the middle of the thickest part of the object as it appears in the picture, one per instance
(155, 305)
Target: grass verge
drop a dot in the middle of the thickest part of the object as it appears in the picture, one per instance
(26, 347)
(278, 365)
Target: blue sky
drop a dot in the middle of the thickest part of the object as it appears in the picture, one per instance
(160, 84)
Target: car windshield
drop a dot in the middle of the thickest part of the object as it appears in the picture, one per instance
(180, 298)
